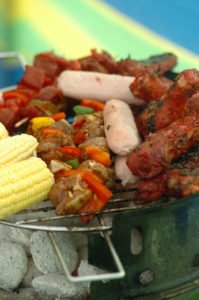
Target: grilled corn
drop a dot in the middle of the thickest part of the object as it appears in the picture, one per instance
(3, 132)
(17, 148)
(22, 184)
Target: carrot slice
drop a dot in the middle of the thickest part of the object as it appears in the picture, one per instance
(98, 155)
(58, 116)
(95, 104)
(97, 187)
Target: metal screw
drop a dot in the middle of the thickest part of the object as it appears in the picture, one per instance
(146, 277)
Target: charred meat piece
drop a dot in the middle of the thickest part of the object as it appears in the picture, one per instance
(58, 136)
(64, 126)
(70, 194)
(192, 105)
(159, 114)
(150, 190)
(161, 148)
(182, 182)
(50, 63)
(97, 141)
(49, 93)
(33, 77)
(99, 62)
(179, 180)
(48, 151)
(50, 140)
(160, 64)
(93, 126)
(149, 86)
(89, 125)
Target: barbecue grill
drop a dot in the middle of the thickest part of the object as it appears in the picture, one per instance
(148, 251)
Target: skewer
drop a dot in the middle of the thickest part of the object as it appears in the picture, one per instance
(21, 122)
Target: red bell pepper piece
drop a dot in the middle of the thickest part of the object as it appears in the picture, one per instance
(93, 205)
(16, 94)
(78, 124)
(79, 137)
(71, 151)
(97, 187)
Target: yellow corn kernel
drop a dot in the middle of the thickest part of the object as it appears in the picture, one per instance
(17, 148)
(3, 132)
(23, 184)
(39, 122)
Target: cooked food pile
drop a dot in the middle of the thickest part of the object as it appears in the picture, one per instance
(95, 120)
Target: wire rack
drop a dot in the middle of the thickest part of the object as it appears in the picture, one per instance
(121, 202)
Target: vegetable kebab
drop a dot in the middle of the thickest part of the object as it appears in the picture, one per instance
(78, 156)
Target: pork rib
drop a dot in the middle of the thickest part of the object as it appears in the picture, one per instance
(160, 113)
(161, 148)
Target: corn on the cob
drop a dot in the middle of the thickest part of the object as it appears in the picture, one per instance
(17, 148)
(22, 184)
(3, 132)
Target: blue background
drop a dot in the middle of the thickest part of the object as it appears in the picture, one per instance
(177, 20)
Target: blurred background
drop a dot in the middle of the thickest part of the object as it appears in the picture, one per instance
(71, 28)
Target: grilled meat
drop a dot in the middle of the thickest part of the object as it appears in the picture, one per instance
(99, 62)
(149, 86)
(160, 64)
(159, 114)
(50, 140)
(89, 126)
(97, 141)
(182, 182)
(179, 180)
(70, 194)
(164, 146)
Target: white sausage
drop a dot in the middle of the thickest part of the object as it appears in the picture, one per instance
(120, 129)
(122, 171)
(93, 85)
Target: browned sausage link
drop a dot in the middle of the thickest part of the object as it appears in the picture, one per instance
(161, 148)
(159, 114)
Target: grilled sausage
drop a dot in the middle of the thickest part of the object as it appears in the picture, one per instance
(120, 129)
(93, 85)
(122, 171)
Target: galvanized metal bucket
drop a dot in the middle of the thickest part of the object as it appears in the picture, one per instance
(166, 264)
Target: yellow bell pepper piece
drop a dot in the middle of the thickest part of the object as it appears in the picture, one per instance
(39, 122)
